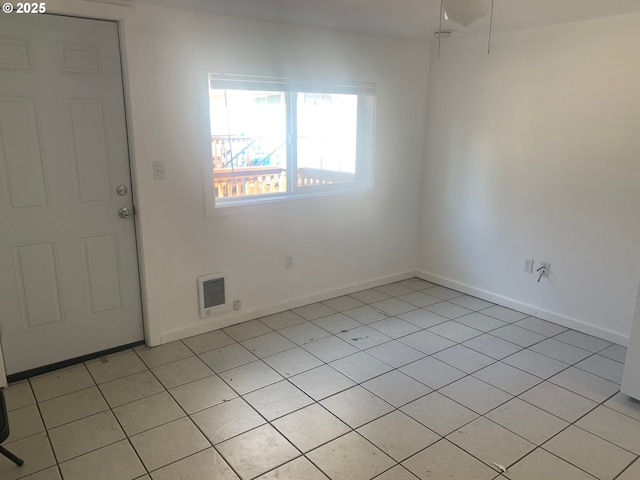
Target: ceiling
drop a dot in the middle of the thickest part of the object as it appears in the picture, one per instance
(414, 19)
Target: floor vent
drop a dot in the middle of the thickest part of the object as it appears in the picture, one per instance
(211, 293)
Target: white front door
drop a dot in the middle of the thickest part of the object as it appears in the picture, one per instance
(68, 263)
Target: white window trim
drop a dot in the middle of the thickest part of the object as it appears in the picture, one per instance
(364, 151)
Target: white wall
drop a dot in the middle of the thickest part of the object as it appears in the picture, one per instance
(338, 242)
(534, 151)
(531, 152)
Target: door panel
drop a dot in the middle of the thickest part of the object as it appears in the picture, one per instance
(22, 162)
(79, 59)
(68, 262)
(36, 273)
(100, 261)
(89, 149)
(14, 54)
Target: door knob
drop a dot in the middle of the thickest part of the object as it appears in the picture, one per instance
(124, 212)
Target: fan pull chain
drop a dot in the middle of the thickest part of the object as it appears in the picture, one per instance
(490, 28)
(440, 29)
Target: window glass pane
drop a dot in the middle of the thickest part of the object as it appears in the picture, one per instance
(248, 140)
(327, 132)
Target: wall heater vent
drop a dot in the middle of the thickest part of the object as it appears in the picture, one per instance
(211, 294)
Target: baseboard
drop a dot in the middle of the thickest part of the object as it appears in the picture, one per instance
(222, 321)
(534, 311)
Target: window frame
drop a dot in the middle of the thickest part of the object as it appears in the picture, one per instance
(365, 126)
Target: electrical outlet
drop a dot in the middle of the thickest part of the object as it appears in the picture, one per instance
(544, 270)
(288, 262)
(528, 265)
(237, 305)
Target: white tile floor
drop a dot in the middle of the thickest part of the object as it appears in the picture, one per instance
(408, 380)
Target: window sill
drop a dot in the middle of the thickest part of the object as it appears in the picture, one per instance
(267, 203)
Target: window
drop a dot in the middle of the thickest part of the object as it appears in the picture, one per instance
(279, 138)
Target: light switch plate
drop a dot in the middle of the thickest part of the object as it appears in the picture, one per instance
(158, 171)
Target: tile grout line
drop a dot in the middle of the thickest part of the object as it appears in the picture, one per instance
(357, 383)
